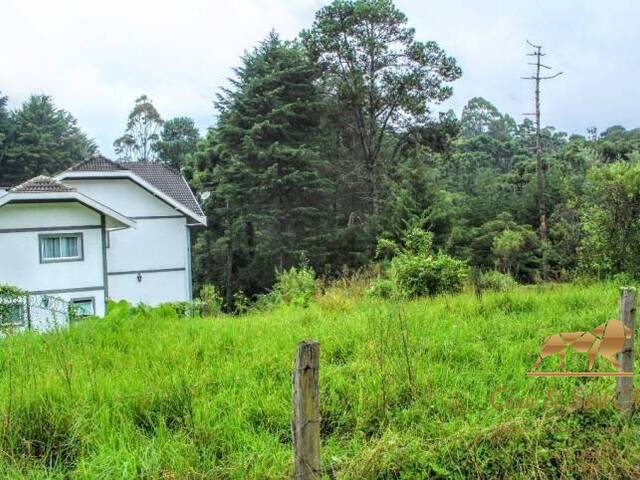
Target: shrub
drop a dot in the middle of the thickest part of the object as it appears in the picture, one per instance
(383, 288)
(296, 286)
(415, 271)
(494, 280)
(419, 275)
(241, 303)
(211, 299)
(193, 308)
(11, 301)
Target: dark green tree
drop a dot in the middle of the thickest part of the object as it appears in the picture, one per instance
(178, 138)
(266, 168)
(480, 117)
(41, 140)
(611, 219)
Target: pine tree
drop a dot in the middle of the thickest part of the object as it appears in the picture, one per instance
(268, 183)
(41, 140)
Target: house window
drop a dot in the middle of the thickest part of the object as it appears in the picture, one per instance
(61, 247)
(11, 314)
(83, 307)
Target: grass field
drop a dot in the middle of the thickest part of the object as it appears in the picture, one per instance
(417, 389)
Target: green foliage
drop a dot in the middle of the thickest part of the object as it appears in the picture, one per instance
(187, 309)
(178, 139)
(211, 299)
(138, 143)
(409, 389)
(512, 248)
(611, 220)
(241, 303)
(263, 166)
(415, 271)
(382, 77)
(12, 301)
(419, 275)
(296, 286)
(493, 280)
(38, 139)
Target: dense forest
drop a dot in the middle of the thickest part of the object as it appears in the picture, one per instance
(327, 150)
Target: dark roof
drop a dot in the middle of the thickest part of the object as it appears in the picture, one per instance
(96, 163)
(41, 184)
(161, 176)
(168, 181)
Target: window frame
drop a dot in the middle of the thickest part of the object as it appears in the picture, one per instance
(73, 301)
(78, 235)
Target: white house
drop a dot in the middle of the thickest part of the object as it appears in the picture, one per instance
(100, 230)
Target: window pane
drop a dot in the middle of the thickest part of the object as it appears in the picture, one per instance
(69, 247)
(51, 247)
(83, 307)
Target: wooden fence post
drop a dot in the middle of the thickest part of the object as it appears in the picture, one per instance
(306, 412)
(624, 385)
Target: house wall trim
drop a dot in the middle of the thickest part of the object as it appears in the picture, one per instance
(158, 270)
(48, 229)
(67, 290)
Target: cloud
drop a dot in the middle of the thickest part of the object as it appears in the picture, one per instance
(95, 58)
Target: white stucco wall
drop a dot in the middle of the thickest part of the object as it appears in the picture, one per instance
(123, 196)
(20, 251)
(157, 244)
(26, 215)
(155, 288)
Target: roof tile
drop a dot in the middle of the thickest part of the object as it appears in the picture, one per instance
(97, 163)
(161, 176)
(41, 184)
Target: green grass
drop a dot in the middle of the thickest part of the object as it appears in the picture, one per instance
(406, 392)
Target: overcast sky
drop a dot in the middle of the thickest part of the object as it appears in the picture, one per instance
(95, 58)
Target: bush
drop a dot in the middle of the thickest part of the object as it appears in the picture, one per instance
(419, 275)
(296, 286)
(494, 280)
(11, 301)
(188, 309)
(383, 288)
(416, 271)
(211, 300)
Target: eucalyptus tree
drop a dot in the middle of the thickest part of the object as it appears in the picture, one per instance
(138, 143)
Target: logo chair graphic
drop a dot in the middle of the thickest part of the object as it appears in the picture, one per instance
(606, 341)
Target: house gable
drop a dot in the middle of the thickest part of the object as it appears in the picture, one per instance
(161, 181)
(123, 195)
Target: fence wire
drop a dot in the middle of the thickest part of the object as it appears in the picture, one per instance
(33, 312)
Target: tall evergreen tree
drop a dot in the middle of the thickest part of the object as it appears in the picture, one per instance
(41, 140)
(267, 180)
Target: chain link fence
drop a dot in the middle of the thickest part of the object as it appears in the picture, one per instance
(33, 312)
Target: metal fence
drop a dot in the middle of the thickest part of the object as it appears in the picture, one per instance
(33, 312)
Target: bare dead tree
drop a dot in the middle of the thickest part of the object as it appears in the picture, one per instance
(541, 164)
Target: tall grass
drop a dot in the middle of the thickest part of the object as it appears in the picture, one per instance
(416, 389)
